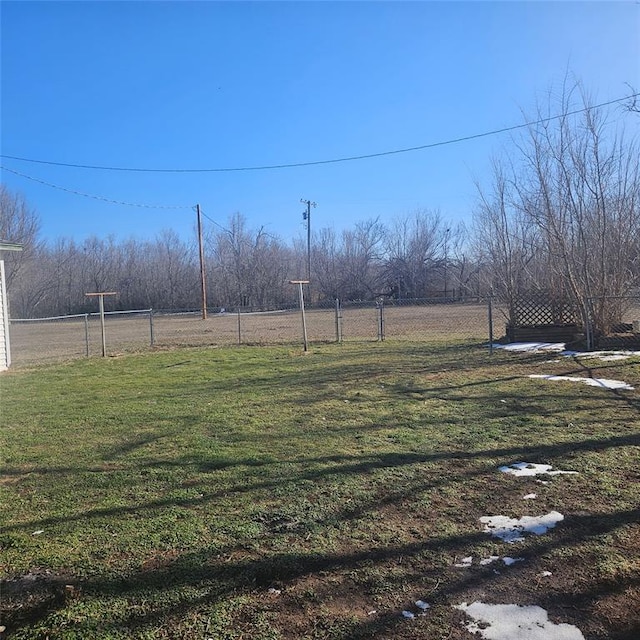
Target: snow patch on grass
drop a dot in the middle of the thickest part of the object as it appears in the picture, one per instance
(512, 530)
(531, 347)
(592, 382)
(465, 563)
(510, 621)
(422, 607)
(531, 469)
(606, 356)
(559, 347)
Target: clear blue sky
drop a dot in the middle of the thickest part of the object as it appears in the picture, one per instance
(189, 85)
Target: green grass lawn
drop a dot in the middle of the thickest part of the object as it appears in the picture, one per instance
(265, 493)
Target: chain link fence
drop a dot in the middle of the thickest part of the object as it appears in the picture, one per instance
(472, 320)
(67, 337)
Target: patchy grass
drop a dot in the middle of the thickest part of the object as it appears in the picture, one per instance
(262, 493)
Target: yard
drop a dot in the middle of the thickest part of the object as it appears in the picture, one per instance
(350, 492)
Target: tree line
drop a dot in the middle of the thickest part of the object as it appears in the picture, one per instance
(244, 267)
(560, 217)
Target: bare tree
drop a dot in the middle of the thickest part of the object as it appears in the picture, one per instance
(415, 248)
(504, 239)
(250, 267)
(563, 213)
(20, 224)
(328, 279)
(361, 260)
(581, 192)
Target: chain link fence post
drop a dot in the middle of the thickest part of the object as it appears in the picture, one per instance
(490, 318)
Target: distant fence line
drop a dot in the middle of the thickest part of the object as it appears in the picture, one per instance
(476, 320)
(77, 335)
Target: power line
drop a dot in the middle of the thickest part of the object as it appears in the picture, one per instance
(217, 224)
(228, 231)
(95, 197)
(333, 160)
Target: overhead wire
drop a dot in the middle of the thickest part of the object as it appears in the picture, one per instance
(632, 97)
(217, 224)
(95, 197)
(421, 147)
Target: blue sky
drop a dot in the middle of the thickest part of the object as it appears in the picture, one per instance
(213, 85)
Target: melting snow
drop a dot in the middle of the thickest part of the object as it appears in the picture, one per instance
(465, 562)
(592, 382)
(531, 347)
(606, 356)
(512, 530)
(531, 469)
(536, 347)
(530, 496)
(509, 621)
(422, 605)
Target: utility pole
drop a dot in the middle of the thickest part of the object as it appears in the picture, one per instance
(203, 283)
(306, 215)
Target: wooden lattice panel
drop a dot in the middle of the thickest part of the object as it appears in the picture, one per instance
(542, 310)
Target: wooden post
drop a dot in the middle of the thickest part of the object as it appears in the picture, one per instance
(86, 335)
(304, 322)
(380, 306)
(100, 297)
(151, 335)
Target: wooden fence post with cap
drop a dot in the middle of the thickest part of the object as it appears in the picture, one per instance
(100, 297)
(304, 322)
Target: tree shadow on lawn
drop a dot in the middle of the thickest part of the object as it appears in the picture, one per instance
(216, 578)
(347, 465)
(359, 368)
(633, 402)
(616, 601)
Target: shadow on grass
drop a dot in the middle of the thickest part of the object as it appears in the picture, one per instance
(344, 465)
(216, 578)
